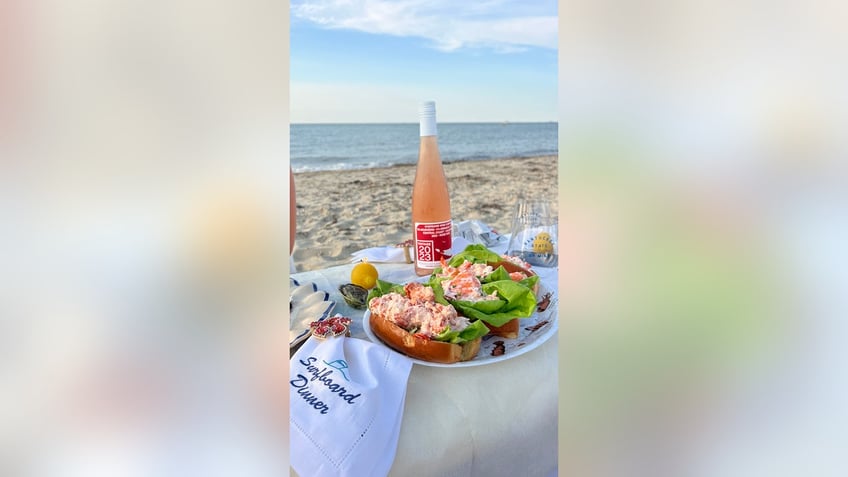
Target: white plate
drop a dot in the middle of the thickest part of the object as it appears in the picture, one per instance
(534, 331)
(308, 304)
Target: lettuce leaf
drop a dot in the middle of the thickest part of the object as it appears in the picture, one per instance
(436, 284)
(474, 253)
(530, 281)
(475, 330)
(499, 274)
(515, 301)
(383, 288)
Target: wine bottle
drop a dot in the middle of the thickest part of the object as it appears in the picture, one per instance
(431, 216)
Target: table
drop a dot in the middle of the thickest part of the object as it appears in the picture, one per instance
(491, 420)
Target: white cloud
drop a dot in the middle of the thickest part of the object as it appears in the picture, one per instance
(449, 25)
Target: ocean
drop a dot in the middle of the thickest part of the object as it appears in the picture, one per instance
(331, 147)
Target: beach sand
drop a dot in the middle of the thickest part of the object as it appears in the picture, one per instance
(340, 212)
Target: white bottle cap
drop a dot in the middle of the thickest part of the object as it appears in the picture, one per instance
(427, 118)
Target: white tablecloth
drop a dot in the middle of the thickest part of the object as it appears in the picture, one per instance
(490, 420)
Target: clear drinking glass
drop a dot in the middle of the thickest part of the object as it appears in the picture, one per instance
(534, 232)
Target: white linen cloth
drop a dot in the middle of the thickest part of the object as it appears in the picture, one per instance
(347, 397)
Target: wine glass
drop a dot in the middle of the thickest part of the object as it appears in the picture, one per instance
(534, 232)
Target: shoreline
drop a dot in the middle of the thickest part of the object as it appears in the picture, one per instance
(444, 162)
(340, 212)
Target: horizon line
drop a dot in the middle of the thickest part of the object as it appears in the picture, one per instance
(415, 122)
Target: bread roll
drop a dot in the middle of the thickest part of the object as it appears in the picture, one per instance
(422, 348)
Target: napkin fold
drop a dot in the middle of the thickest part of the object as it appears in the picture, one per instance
(346, 404)
(475, 231)
(383, 254)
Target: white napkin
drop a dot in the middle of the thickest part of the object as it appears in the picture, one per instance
(395, 254)
(347, 398)
(478, 232)
(381, 254)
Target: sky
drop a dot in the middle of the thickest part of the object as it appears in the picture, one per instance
(373, 61)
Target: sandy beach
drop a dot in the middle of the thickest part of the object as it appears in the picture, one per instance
(340, 212)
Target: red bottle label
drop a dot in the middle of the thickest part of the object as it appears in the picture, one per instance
(432, 241)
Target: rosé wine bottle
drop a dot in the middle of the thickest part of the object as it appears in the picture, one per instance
(431, 215)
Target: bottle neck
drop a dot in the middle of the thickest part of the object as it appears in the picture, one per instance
(429, 148)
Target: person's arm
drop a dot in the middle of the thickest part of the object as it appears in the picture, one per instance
(292, 212)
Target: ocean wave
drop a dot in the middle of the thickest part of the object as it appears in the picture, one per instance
(382, 164)
(343, 166)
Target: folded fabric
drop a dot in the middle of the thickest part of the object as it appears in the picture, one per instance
(346, 404)
(383, 254)
(478, 232)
